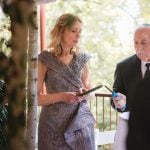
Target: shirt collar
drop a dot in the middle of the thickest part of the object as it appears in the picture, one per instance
(143, 63)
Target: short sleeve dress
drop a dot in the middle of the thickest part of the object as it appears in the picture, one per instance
(65, 126)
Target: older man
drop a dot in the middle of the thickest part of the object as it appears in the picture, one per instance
(139, 122)
(129, 73)
(133, 69)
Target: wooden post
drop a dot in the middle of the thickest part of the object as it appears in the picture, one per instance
(42, 27)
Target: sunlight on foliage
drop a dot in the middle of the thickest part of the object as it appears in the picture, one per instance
(5, 33)
(107, 31)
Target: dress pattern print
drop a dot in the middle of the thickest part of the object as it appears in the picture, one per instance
(65, 126)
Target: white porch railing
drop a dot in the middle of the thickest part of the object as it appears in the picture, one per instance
(106, 121)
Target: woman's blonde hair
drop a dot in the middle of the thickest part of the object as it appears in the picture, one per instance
(63, 22)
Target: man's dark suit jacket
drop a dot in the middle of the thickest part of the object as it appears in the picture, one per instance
(139, 121)
(127, 76)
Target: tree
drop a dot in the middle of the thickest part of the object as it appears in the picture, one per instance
(32, 80)
(22, 15)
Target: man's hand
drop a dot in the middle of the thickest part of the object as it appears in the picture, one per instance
(119, 100)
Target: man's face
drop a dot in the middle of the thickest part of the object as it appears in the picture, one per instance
(142, 43)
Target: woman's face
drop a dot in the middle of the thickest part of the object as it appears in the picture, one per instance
(142, 43)
(71, 36)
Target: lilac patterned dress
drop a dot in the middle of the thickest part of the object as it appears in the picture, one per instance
(65, 126)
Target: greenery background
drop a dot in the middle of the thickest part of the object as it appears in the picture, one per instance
(107, 31)
(108, 28)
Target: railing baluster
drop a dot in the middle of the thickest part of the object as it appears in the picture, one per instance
(110, 112)
(96, 114)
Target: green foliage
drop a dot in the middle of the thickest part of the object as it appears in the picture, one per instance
(5, 33)
(145, 11)
(100, 36)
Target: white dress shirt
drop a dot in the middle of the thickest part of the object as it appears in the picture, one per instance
(143, 67)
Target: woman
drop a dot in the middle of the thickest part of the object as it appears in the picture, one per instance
(66, 122)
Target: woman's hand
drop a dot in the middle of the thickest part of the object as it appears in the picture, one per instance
(82, 90)
(70, 97)
(84, 97)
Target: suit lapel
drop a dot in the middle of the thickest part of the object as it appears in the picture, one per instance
(137, 69)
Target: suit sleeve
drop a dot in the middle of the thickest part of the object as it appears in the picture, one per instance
(118, 85)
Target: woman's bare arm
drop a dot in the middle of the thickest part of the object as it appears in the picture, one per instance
(46, 99)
